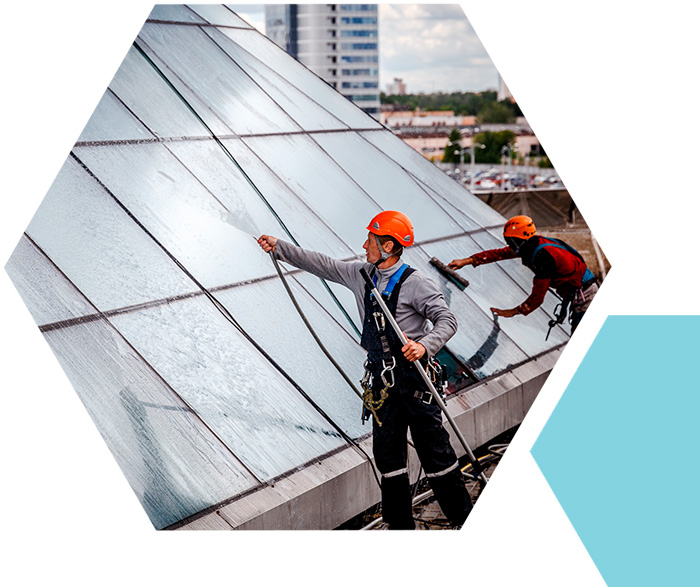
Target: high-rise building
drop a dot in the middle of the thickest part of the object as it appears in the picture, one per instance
(338, 42)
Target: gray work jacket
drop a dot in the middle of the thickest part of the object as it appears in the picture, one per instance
(422, 313)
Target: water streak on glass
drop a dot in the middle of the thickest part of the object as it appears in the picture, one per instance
(179, 211)
(267, 314)
(174, 464)
(319, 182)
(49, 296)
(111, 121)
(203, 73)
(150, 98)
(258, 414)
(98, 247)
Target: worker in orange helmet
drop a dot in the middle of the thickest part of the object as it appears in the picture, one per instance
(554, 263)
(395, 394)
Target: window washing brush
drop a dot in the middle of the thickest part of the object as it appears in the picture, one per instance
(451, 274)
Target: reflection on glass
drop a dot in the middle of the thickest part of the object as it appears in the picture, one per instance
(150, 98)
(202, 72)
(294, 102)
(308, 229)
(179, 211)
(98, 247)
(255, 411)
(218, 15)
(490, 286)
(112, 122)
(479, 342)
(481, 214)
(387, 184)
(346, 299)
(174, 13)
(319, 182)
(172, 461)
(49, 296)
(266, 312)
(301, 77)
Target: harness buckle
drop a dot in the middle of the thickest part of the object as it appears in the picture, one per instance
(390, 370)
(379, 320)
(421, 396)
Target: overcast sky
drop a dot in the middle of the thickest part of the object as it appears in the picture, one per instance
(431, 46)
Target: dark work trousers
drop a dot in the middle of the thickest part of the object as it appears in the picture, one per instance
(400, 412)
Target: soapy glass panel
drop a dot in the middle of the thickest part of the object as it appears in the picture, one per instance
(263, 308)
(98, 247)
(149, 97)
(179, 211)
(236, 391)
(111, 121)
(203, 73)
(48, 295)
(173, 462)
(319, 182)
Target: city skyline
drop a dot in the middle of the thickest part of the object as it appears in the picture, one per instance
(432, 47)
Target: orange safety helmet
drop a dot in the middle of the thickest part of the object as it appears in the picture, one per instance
(395, 224)
(519, 227)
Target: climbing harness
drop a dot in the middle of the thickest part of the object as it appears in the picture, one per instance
(424, 375)
(373, 400)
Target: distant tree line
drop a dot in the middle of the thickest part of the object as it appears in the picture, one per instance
(484, 105)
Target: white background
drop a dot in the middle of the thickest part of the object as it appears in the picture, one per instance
(610, 90)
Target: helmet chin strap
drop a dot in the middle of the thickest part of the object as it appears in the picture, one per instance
(384, 255)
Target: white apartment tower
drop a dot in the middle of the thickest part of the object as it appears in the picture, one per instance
(338, 42)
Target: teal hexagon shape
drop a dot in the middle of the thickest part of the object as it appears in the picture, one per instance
(620, 450)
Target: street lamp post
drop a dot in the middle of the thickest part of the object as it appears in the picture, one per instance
(471, 153)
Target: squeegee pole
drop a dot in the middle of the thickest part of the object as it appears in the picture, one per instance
(436, 396)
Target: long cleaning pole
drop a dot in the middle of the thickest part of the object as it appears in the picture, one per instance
(389, 316)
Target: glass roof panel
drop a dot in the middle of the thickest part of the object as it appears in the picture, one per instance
(387, 184)
(430, 175)
(174, 13)
(479, 342)
(295, 103)
(150, 98)
(173, 462)
(111, 121)
(490, 286)
(179, 211)
(98, 247)
(315, 287)
(49, 296)
(240, 395)
(319, 182)
(218, 14)
(302, 221)
(268, 315)
(313, 86)
(197, 67)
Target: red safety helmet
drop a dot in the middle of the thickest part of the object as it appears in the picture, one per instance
(519, 227)
(394, 224)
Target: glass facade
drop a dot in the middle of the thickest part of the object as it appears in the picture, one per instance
(141, 267)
